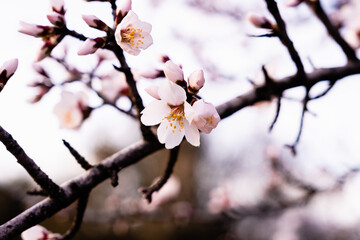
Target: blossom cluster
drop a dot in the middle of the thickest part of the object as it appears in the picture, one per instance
(178, 110)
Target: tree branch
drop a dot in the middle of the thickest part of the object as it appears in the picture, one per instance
(41, 178)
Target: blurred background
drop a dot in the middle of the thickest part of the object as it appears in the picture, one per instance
(242, 183)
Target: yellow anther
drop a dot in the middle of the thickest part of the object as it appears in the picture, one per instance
(173, 131)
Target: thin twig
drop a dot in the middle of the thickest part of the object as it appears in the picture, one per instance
(278, 106)
(332, 30)
(80, 211)
(29, 165)
(114, 178)
(283, 36)
(147, 192)
(331, 85)
(80, 159)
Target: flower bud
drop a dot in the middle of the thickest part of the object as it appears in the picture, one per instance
(95, 22)
(124, 6)
(58, 6)
(35, 30)
(173, 72)
(153, 91)
(205, 118)
(6, 71)
(91, 45)
(56, 19)
(196, 81)
(259, 21)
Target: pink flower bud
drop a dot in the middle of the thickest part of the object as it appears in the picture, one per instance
(153, 91)
(259, 21)
(196, 80)
(173, 72)
(95, 22)
(90, 46)
(6, 71)
(10, 67)
(57, 6)
(34, 30)
(205, 118)
(56, 19)
(124, 6)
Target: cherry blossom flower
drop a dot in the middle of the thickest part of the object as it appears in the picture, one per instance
(39, 233)
(71, 109)
(6, 71)
(171, 112)
(204, 117)
(58, 6)
(132, 35)
(196, 81)
(153, 91)
(90, 46)
(173, 72)
(113, 86)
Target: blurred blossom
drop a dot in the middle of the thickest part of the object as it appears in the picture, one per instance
(90, 46)
(132, 35)
(259, 21)
(113, 86)
(173, 72)
(56, 19)
(168, 192)
(292, 3)
(72, 109)
(219, 200)
(34, 29)
(57, 6)
(95, 22)
(123, 7)
(39, 233)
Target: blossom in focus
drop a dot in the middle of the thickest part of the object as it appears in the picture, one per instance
(171, 112)
(72, 109)
(113, 86)
(6, 71)
(132, 35)
(90, 46)
(39, 233)
(196, 81)
(205, 117)
(173, 72)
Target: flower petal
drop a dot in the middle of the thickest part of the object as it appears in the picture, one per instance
(154, 112)
(172, 93)
(171, 135)
(192, 134)
(173, 72)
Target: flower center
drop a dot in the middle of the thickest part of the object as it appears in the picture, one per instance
(176, 119)
(132, 36)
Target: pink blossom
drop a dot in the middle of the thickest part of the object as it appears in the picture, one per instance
(56, 19)
(34, 30)
(6, 71)
(70, 110)
(90, 46)
(173, 72)
(132, 35)
(57, 6)
(292, 3)
(205, 117)
(219, 200)
(39, 233)
(95, 22)
(124, 6)
(171, 111)
(113, 86)
(196, 80)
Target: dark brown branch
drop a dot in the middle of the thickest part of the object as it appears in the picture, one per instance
(80, 159)
(80, 211)
(114, 178)
(283, 36)
(147, 192)
(113, 8)
(278, 106)
(332, 30)
(37, 192)
(136, 152)
(30, 166)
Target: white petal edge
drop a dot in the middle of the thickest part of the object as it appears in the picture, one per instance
(192, 134)
(154, 113)
(172, 93)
